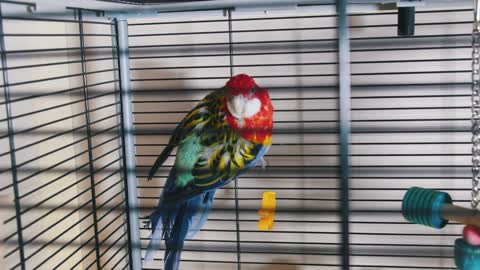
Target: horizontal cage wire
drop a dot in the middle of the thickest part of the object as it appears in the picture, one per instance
(61, 144)
(62, 135)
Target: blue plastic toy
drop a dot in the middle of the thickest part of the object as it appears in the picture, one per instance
(467, 257)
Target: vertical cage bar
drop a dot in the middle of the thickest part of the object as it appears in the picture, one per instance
(237, 213)
(345, 105)
(89, 135)
(135, 256)
(11, 141)
(118, 96)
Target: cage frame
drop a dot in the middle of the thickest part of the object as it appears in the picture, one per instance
(120, 16)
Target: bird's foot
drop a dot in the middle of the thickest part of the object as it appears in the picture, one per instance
(146, 223)
(262, 163)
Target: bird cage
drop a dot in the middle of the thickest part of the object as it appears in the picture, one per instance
(367, 104)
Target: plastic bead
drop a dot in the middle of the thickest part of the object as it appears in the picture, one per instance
(471, 235)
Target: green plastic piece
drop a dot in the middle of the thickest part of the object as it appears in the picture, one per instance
(467, 257)
(422, 206)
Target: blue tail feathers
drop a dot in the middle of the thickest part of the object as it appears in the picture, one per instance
(200, 215)
(175, 222)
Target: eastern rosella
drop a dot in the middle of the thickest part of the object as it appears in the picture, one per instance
(226, 134)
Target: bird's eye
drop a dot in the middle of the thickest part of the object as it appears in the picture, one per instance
(252, 90)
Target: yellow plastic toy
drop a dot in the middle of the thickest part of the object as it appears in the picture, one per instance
(267, 212)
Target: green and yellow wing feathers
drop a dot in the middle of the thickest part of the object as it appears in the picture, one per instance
(220, 153)
(210, 153)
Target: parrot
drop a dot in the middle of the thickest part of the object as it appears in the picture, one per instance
(227, 133)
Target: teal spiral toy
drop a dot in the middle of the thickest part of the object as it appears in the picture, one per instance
(422, 206)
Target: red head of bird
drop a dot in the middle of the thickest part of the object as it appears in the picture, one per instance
(249, 109)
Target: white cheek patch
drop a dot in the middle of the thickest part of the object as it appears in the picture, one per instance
(235, 106)
(241, 107)
(252, 107)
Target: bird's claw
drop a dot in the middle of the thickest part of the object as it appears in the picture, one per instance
(146, 223)
(262, 163)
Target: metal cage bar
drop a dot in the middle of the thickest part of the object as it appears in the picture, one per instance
(344, 122)
(128, 145)
(89, 137)
(13, 161)
(235, 182)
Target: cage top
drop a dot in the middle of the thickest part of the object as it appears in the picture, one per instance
(142, 8)
(150, 2)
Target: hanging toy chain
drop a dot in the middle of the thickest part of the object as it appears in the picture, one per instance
(476, 107)
(467, 248)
